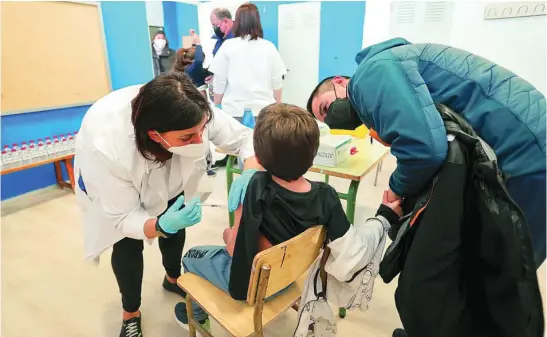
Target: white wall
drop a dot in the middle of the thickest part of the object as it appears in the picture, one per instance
(154, 13)
(518, 44)
(376, 26)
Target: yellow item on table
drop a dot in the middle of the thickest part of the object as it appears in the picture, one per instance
(360, 132)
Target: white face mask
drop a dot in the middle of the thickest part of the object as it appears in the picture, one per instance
(160, 43)
(188, 151)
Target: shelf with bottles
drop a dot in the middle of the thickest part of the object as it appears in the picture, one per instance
(33, 152)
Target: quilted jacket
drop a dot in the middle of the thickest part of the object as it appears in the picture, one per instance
(464, 254)
(397, 84)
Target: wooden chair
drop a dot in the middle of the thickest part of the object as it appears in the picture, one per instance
(273, 270)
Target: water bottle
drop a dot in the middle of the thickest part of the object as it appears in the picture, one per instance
(248, 119)
(56, 147)
(32, 147)
(49, 148)
(7, 161)
(16, 155)
(63, 145)
(25, 159)
(40, 151)
(70, 144)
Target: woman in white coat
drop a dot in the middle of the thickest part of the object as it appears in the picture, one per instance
(140, 158)
(248, 70)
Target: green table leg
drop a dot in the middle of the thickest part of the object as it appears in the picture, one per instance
(350, 197)
(230, 170)
(326, 178)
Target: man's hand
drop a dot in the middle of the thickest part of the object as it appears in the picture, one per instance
(391, 197)
(395, 205)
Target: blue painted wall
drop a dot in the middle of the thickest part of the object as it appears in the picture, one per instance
(126, 31)
(178, 19)
(269, 12)
(341, 37)
(187, 18)
(127, 38)
(170, 24)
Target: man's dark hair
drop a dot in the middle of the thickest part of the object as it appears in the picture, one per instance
(324, 85)
(286, 139)
(222, 13)
(170, 102)
(248, 22)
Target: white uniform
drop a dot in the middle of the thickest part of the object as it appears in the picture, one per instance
(247, 72)
(124, 189)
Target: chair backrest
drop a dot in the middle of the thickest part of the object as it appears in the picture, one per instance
(287, 261)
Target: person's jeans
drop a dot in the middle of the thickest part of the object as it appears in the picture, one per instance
(212, 263)
(528, 192)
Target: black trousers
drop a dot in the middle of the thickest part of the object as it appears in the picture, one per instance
(128, 265)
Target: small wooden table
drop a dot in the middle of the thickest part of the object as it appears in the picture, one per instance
(66, 159)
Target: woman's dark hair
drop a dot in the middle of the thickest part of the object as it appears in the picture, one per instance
(185, 57)
(161, 32)
(247, 22)
(170, 102)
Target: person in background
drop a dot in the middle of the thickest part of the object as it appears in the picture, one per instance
(248, 70)
(221, 20)
(190, 61)
(279, 205)
(163, 57)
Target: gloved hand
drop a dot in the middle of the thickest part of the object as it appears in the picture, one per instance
(175, 218)
(218, 106)
(238, 189)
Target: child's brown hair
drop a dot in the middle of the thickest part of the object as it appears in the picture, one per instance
(185, 57)
(286, 139)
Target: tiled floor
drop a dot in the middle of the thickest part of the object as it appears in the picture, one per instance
(49, 291)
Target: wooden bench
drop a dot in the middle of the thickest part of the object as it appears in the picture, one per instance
(66, 159)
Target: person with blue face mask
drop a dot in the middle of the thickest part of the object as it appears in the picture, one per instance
(140, 166)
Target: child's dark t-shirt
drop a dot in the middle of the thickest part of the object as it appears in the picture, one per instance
(280, 215)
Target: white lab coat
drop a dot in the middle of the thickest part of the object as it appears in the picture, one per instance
(247, 72)
(124, 189)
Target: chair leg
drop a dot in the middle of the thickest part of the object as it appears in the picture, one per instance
(190, 312)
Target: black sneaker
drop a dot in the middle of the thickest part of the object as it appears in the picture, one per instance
(220, 163)
(211, 173)
(399, 333)
(131, 328)
(181, 316)
(173, 287)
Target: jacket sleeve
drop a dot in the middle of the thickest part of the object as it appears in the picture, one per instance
(396, 99)
(199, 56)
(231, 136)
(118, 197)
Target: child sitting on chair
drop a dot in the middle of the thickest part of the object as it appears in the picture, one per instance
(279, 205)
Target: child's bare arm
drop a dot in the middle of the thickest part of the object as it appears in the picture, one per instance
(231, 237)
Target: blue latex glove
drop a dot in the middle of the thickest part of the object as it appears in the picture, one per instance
(238, 189)
(218, 106)
(175, 218)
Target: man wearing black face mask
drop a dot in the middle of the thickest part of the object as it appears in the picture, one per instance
(394, 91)
(222, 22)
